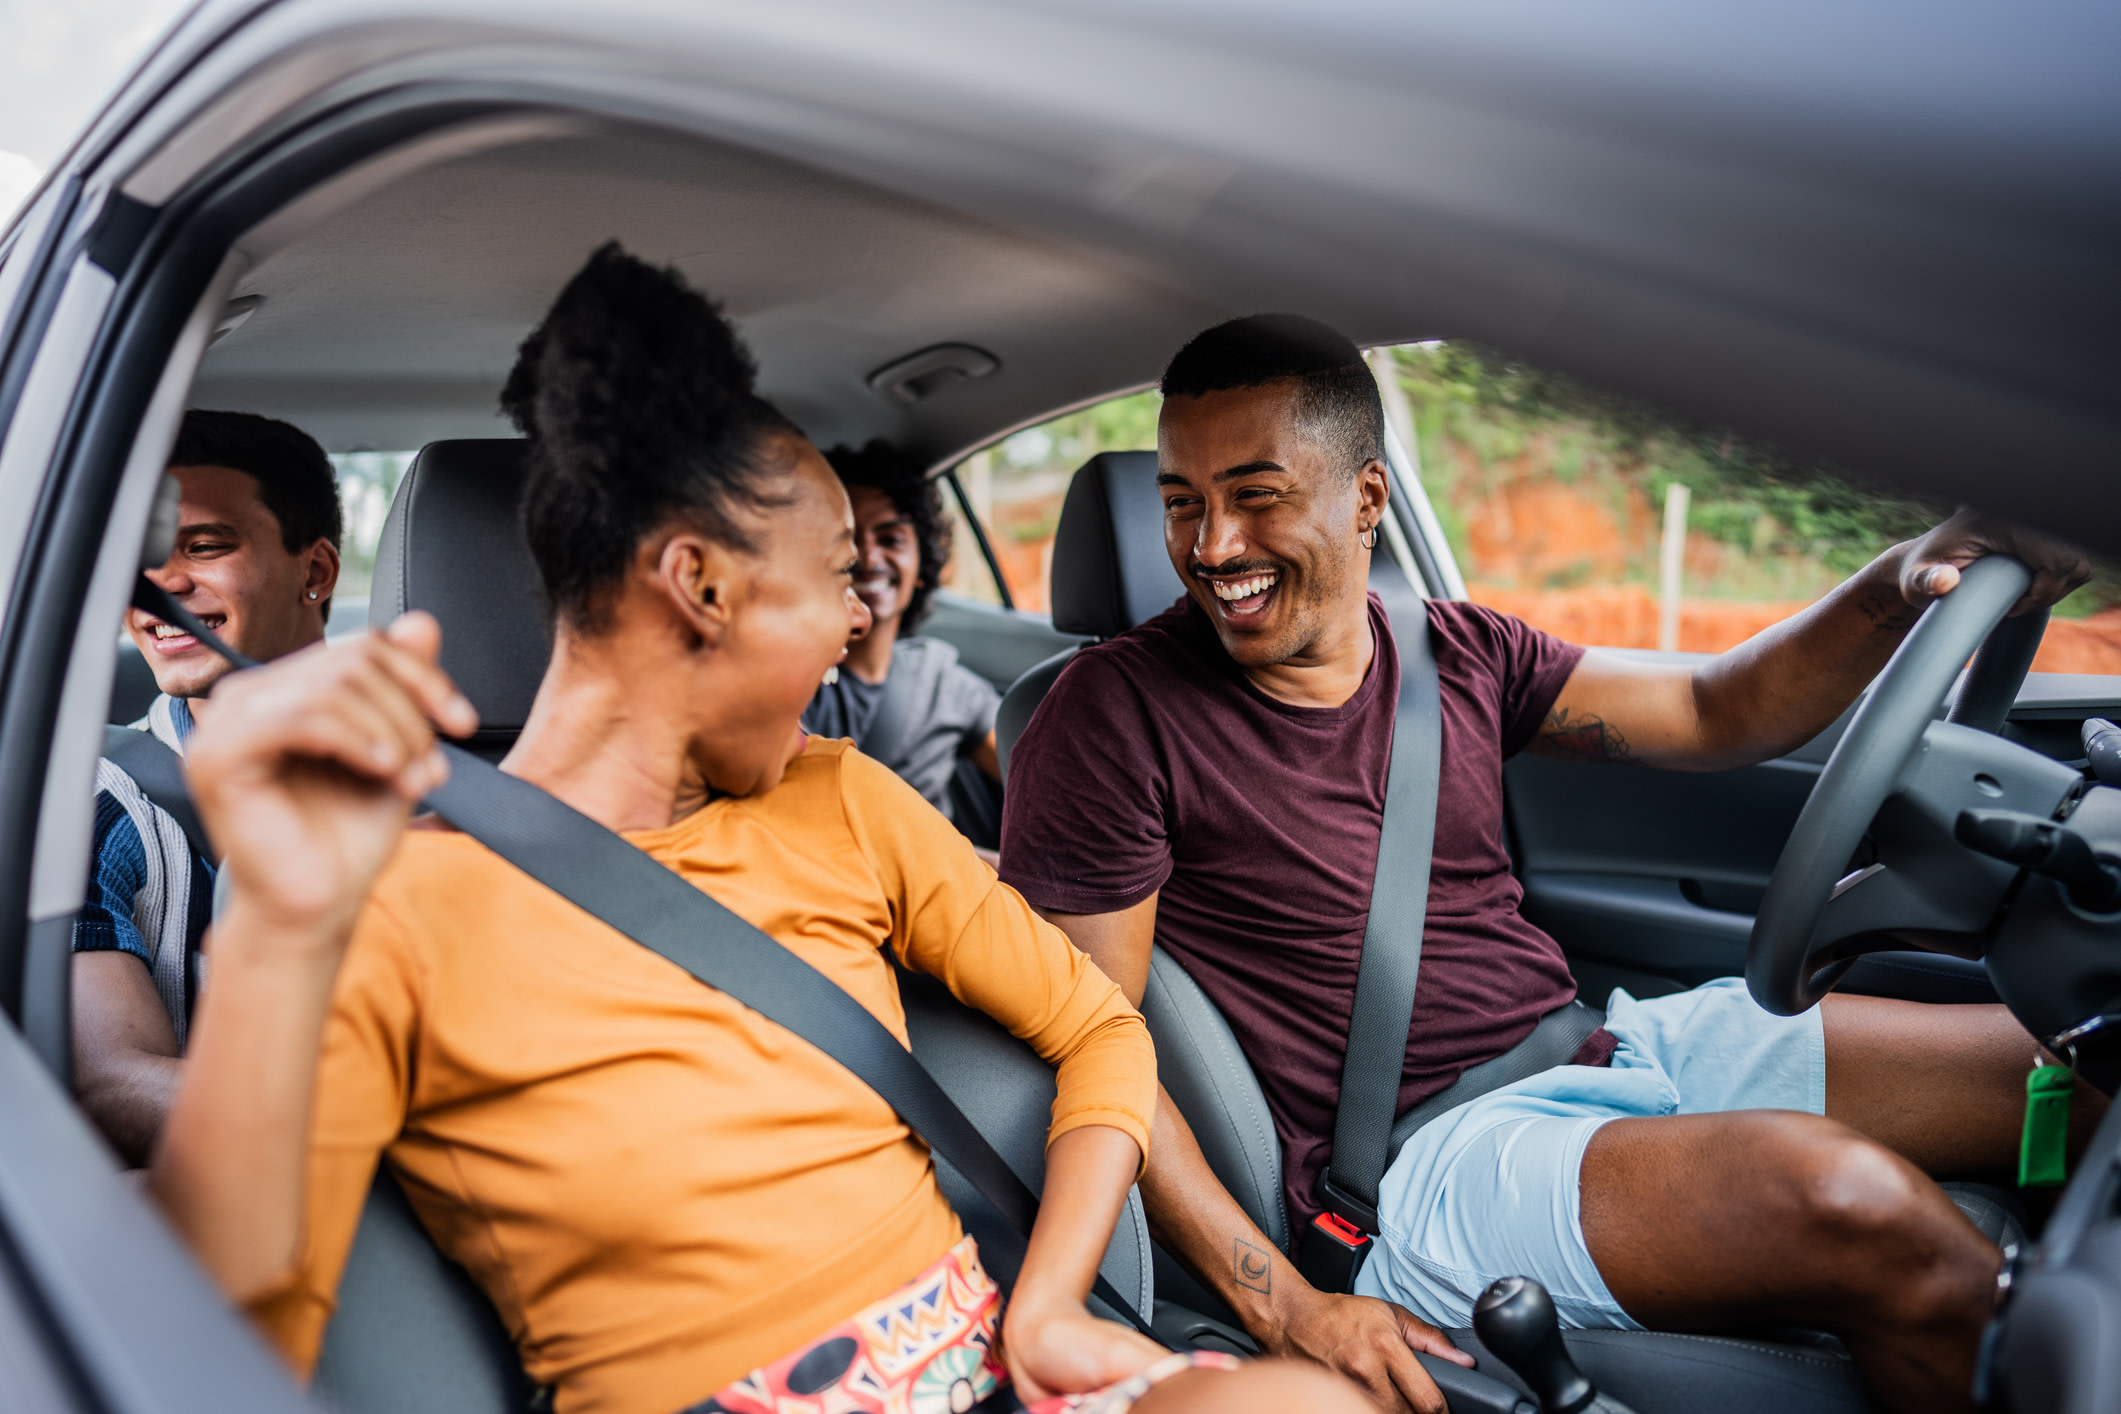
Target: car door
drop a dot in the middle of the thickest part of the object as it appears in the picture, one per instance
(1610, 525)
(1649, 879)
(100, 1307)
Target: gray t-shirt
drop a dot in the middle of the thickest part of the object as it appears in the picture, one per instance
(946, 710)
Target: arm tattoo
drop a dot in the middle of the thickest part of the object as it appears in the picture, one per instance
(1254, 1267)
(1888, 613)
(1580, 736)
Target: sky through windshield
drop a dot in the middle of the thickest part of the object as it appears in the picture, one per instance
(58, 62)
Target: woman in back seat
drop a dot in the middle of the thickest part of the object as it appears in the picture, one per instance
(673, 1202)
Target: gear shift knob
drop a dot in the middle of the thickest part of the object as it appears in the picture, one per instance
(1515, 1319)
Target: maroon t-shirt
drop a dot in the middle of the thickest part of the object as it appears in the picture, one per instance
(1155, 764)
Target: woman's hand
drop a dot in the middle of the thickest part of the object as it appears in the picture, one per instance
(304, 773)
(306, 769)
(1055, 1346)
(1050, 1342)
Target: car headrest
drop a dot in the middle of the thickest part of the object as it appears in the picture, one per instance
(1110, 568)
(453, 545)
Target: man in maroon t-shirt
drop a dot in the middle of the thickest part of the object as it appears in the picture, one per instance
(1213, 781)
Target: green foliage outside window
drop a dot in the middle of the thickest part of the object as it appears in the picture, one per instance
(1797, 524)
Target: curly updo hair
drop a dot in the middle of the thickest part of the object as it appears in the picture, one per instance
(913, 494)
(637, 399)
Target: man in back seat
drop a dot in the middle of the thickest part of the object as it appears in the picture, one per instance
(1213, 781)
(906, 700)
(257, 558)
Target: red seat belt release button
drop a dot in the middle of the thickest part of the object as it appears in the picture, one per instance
(1332, 1252)
(1338, 1228)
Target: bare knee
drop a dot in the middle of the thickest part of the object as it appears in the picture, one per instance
(1899, 1240)
(1259, 1387)
(1848, 1189)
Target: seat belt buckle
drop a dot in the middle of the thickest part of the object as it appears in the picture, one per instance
(1332, 1248)
(1332, 1252)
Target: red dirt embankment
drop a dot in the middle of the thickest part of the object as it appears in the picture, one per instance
(1625, 616)
(1525, 528)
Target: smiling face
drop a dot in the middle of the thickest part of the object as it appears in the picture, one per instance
(887, 555)
(232, 569)
(1261, 525)
(779, 619)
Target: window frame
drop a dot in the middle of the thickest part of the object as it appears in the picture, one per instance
(85, 1246)
(979, 533)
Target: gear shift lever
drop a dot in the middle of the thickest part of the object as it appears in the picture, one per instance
(1515, 1319)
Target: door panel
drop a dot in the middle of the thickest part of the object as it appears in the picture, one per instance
(1649, 879)
(1722, 829)
(123, 1320)
(1643, 924)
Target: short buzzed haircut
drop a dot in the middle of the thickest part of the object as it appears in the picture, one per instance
(1337, 401)
(295, 478)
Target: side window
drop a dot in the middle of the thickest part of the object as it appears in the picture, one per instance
(1611, 524)
(1016, 488)
(968, 573)
(367, 481)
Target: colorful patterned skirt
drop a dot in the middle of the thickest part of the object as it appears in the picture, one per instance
(928, 1348)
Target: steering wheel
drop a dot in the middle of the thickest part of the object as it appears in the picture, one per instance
(1783, 970)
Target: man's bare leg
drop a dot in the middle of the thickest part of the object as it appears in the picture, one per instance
(1758, 1218)
(1724, 1222)
(1942, 1086)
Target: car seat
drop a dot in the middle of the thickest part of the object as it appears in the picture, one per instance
(1111, 571)
(411, 1333)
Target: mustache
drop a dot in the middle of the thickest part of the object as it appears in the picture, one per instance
(1232, 567)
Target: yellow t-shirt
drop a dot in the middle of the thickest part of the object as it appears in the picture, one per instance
(659, 1188)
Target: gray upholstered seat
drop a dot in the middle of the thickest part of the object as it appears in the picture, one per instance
(1116, 577)
(452, 545)
(412, 1333)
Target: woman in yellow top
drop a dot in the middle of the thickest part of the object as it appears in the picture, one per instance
(673, 1202)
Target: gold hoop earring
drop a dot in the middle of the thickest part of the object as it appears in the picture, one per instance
(1369, 538)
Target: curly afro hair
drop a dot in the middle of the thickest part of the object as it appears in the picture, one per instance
(637, 398)
(883, 467)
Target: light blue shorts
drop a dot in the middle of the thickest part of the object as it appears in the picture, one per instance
(1489, 1189)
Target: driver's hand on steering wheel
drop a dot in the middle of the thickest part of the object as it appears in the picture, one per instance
(1372, 1342)
(1930, 564)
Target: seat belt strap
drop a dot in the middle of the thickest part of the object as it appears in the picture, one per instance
(618, 884)
(1554, 1040)
(884, 736)
(159, 773)
(1391, 943)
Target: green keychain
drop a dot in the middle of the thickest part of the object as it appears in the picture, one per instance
(2043, 1152)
